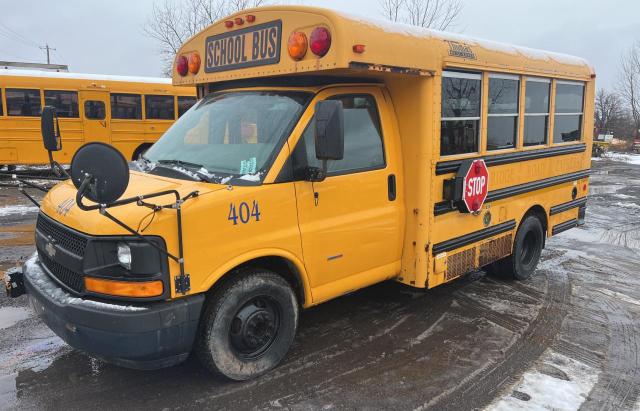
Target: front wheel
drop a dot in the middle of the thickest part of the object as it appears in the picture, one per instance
(248, 325)
(527, 249)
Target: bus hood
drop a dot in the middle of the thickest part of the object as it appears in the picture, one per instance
(60, 204)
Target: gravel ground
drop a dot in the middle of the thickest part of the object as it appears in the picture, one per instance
(569, 338)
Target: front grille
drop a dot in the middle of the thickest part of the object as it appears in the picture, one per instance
(68, 277)
(62, 236)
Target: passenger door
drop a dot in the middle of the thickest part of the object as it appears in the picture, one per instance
(351, 223)
(95, 116)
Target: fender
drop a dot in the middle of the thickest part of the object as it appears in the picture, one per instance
(215, 275)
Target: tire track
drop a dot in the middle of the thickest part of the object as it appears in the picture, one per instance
(519, 357)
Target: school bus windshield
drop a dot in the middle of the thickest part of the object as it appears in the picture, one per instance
(230, 135)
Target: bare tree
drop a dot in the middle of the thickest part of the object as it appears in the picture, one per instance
(172, 22)
(608, 111)
(629, 83)
(435, 14)
(392, 9)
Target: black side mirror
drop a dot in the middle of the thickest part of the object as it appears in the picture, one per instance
(100, 173)
(329, 132)
(50, 129)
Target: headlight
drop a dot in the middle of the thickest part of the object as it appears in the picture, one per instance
(124, 255)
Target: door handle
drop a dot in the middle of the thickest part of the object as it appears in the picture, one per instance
(391, 187)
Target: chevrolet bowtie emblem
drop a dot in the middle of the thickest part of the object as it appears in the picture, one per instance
(64, 207)
(50, 249)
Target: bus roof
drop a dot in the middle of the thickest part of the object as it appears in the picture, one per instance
(388, 47)
(82, 76)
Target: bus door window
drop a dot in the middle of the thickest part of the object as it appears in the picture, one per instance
(460, 122)
(65, 102)
(94, 110)
(536, 111)
(23, 102)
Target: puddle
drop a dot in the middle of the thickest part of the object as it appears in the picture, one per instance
(604, 189)
(12, 315)
(17, 210)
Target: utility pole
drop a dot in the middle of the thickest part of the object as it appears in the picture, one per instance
(46, 47)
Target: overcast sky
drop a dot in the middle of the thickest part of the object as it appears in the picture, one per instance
(106, 36)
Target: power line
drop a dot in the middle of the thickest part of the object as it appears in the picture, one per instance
(18, 36)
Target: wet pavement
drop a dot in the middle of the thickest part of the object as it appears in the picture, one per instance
(568, 338)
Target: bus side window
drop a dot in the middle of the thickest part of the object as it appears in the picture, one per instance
(23, 102)
(94, 110)
(502, 120)
(65, 102)
(536, 111)
(460, 121)
(1, 106)
(159, 107)
(363, 144)
(126, 106)
(184, 104)
(567, 125)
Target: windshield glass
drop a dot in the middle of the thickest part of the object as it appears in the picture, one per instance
(228, 137)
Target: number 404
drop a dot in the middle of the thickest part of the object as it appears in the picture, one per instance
(244, 213)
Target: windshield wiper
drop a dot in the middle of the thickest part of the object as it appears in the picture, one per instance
(189, 168)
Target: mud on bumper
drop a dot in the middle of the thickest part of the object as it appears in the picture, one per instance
(146, 336)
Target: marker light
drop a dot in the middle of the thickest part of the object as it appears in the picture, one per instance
(320, 41)
(358, 48)
(251, 18)
(297, 45)
(124, 255)
(139, 289)
(182, 65)
(194, 63)
(228, 24)
(239, 21)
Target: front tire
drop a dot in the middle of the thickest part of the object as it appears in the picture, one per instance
(248, 325)
(527, 249)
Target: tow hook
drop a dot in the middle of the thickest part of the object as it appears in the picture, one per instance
(14, 283)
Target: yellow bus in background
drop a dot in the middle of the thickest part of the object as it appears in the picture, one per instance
(130, 113)
(327, 153)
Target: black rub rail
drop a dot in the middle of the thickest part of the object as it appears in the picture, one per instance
(471, 238)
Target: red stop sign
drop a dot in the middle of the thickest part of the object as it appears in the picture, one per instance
(475, 186)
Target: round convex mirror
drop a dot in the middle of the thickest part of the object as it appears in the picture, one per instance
(108, 169)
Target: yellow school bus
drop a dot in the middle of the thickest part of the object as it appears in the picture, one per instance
(327, 153)
(130, 113)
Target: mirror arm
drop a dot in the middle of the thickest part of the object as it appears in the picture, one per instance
(57, 169)
(182, 282)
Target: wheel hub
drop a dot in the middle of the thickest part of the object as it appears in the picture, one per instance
(254, 328)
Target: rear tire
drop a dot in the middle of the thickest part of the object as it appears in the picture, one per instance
(527, 249)
(248, 325)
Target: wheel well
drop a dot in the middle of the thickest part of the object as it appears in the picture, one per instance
(278, 265)
(139, 150)
(539, 212)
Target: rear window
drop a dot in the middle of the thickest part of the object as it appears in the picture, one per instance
(184, 104)
(126, 106)
(23, 102)
(159, 107)
(65, 102)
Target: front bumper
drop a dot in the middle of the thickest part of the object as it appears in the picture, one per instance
(149, 336)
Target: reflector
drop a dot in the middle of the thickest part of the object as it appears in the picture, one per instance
(138, 289)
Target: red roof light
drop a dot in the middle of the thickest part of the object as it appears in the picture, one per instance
(239, 21)
(251, 18)
(320, 41)
(182, 65)
(228, 24)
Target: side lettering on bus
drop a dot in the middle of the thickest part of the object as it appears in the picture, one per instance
(250, 47)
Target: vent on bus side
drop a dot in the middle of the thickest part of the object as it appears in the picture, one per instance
(495, 250)
(460, 263)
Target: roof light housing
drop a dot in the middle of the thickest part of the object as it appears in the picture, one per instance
(320, 41)
(297, 45)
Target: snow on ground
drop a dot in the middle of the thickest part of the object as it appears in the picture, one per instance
(17, 210)
(632, 206)
(11, 315)
(625, 158)
(556, 383)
